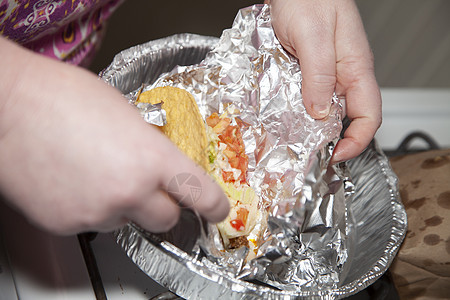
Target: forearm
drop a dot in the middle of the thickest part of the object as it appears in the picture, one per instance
(13, 60)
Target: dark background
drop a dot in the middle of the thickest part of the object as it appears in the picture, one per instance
(140, 21)
(410, 38)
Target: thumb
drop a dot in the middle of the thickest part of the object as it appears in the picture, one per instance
(317, 90)
(311, 38)
(318, 66)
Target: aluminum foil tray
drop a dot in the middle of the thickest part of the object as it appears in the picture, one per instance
(379, 216)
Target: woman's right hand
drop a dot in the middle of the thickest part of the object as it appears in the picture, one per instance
(328, 38)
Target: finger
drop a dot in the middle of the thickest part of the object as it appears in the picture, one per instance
(364, 111)
(193, 188)
(190, 186)
(157, 213)
(106, 226)
(312, 39)
(356, 80)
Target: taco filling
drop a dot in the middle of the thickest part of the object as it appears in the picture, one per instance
(219, 148)
(229, 166)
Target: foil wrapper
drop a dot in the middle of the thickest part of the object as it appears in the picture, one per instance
(327, 237)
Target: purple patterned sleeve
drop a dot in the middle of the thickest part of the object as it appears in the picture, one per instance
(69, 30)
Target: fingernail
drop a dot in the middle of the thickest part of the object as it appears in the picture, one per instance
(321, 110)
(337, 156)
(336, 159)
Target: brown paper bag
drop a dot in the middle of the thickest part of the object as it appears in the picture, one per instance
(421, 269)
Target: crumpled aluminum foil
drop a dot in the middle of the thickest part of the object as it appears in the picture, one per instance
(314, 237)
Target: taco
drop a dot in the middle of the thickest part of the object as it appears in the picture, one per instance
(217, 145)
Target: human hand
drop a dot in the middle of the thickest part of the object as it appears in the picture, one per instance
(328, 38)
(75, 156)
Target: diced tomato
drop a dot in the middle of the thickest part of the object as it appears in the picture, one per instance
(237, 224)
(243, 165)
(242, 214)
(222, 125)
(217, 123)
(234, 162)
(228, 176)
(212, 120)
(229, 154)
(241, 219)
(235, 149)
